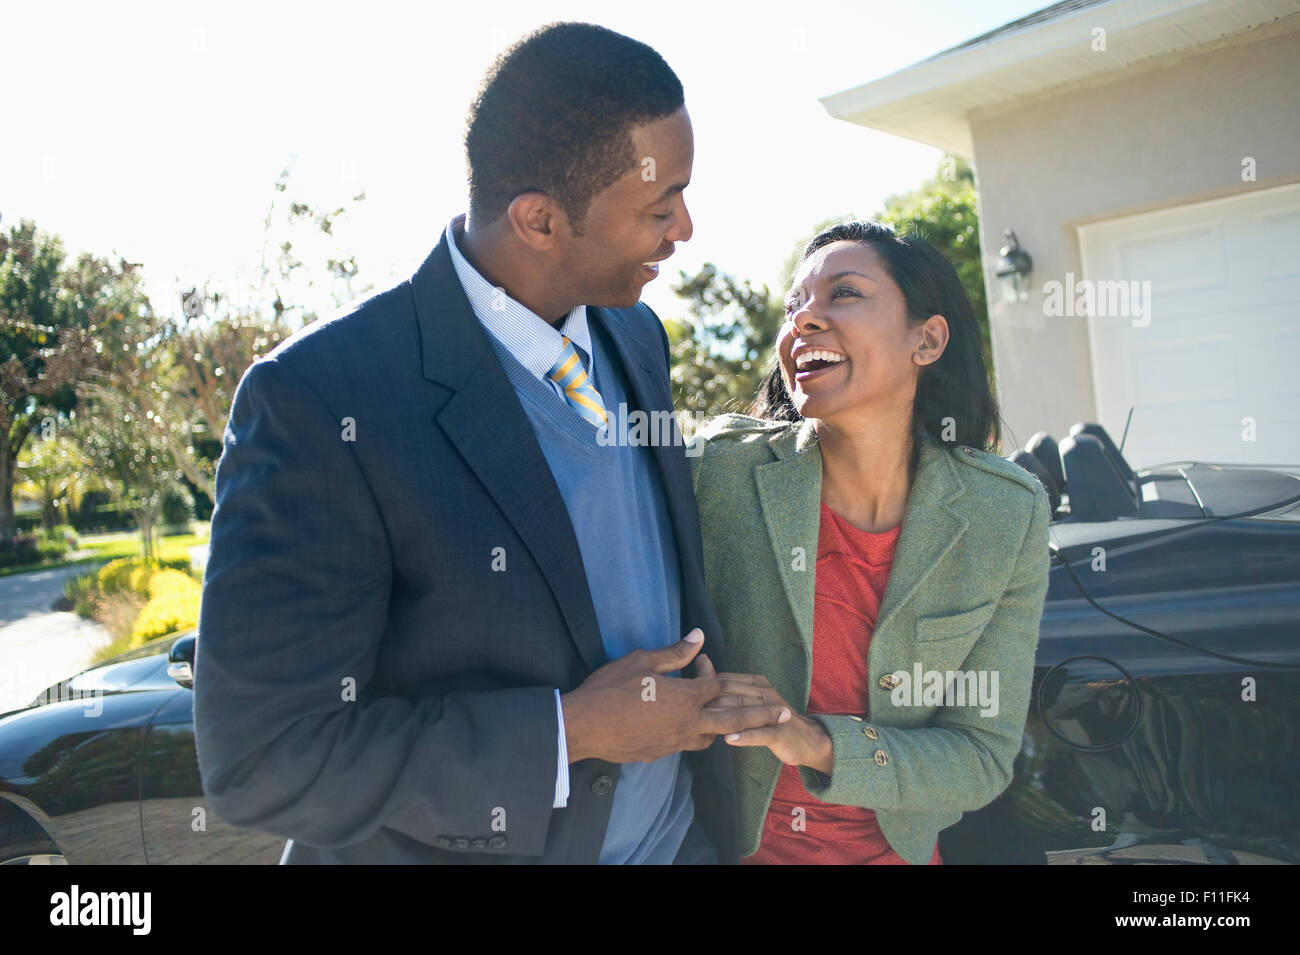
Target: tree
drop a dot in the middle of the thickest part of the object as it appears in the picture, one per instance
(153, 391)
(207, 359)
(719, 352)
(944, 211)
(131, 446)
(48, 316)
(134, 461)
(213, 339)
(176, 375)
(286, 283)
(116, 360)
(56, 474)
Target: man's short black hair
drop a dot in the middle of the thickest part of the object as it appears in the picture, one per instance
(554, 114)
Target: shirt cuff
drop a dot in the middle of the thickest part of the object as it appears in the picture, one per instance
(562, 759)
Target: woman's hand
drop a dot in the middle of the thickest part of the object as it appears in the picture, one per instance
(795, 740)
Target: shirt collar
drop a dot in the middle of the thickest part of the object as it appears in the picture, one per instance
(533, 341)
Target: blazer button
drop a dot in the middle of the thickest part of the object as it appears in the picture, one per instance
(497, 842)
(881, 758)
(442, 842)
(871, 734)
(889, 681)
(601, 785)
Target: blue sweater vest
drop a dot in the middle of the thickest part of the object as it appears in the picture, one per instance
(616, 504)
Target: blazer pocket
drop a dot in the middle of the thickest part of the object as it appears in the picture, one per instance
(954, 624)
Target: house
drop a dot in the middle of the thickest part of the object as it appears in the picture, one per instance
(1146, 155)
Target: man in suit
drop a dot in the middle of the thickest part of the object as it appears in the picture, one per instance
(442, 614)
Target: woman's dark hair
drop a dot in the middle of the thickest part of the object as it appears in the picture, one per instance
(956, 386)
(554, 113)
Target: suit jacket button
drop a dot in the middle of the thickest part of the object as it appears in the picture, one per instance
(881, 758)
(442, 842)
(871, 734)
(889, 681)
(462, 842)
(601, 785)
(479, 843)
(497, 842)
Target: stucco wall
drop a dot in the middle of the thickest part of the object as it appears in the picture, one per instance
(1163, 134)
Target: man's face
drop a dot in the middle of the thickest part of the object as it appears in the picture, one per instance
(636, 220)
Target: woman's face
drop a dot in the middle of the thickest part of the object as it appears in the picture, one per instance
(847, 346)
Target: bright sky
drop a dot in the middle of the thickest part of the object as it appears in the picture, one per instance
(156, 130)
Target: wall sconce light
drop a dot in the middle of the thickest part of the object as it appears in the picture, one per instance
(1013, 271)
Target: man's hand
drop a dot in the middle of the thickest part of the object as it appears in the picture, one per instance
(631, 711)
(798, 741)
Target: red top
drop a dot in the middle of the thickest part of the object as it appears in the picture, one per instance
(852, 570)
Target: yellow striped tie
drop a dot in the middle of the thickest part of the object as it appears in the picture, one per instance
(572, 377)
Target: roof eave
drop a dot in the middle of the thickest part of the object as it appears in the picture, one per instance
(931, 101)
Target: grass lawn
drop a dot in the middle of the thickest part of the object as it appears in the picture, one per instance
(108, 547)
(112, 546)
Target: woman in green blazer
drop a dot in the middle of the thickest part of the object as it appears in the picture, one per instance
(879, 407)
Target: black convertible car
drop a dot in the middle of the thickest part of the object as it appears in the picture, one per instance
(1164, 727)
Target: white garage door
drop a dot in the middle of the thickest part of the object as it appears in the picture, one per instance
(1213, 369)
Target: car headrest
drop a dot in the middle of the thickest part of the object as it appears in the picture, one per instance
(1043, 446)
(1098, 492)
(1098, 432)
(1035, 467)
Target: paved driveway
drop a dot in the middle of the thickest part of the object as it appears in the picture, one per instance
(39, 646)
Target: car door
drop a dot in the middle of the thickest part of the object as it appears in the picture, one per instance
(178, 825)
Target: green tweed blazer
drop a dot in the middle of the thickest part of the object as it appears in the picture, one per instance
(965, 593)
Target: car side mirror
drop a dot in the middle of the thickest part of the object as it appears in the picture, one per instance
(180, 661)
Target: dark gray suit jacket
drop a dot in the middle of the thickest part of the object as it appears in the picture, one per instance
(366, 683)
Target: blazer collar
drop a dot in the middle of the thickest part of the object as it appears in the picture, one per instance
(789, 490)
(453, 341)
(482, 417)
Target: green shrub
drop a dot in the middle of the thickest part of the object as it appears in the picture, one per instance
(138, 578)
(173, 605)
(177, 507)
(34, 548)
(178, 563)
(22, 549)
(115, 576)
(169, 580)
(51, 549)
(132, 574)
(80, 593)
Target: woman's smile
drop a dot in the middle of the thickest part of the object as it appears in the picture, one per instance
(812, 362)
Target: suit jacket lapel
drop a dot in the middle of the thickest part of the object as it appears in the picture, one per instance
(484, 420)
(789, 491)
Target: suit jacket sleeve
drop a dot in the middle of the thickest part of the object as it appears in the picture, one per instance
(963, 760)
(290, 737)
